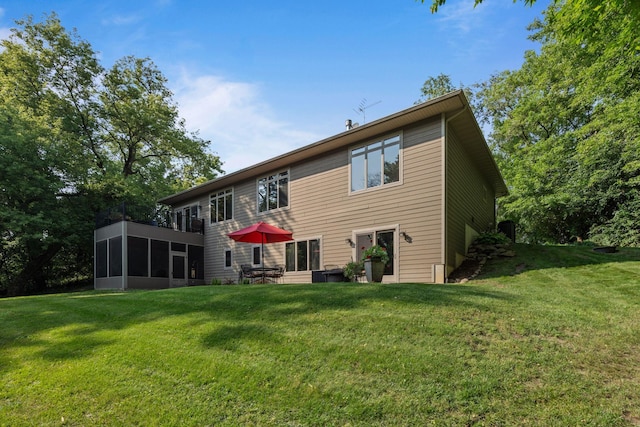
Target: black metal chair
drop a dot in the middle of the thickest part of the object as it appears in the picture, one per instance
(278, 273)
(246, 273)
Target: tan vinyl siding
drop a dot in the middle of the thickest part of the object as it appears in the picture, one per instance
(216, 240)
(445, 193)
(321, 206)
(470, 200)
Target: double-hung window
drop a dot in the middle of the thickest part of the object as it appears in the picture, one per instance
(273, 192)
(222, 205)
(302, 255)
(376, 164)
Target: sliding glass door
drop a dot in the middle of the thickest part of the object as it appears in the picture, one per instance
(384, 238)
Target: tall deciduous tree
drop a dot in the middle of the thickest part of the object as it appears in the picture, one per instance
(75, 137)
(566, 129)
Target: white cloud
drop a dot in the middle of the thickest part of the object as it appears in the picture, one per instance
(119, 20)
(461, 15)
(238, 122)
(5, 32)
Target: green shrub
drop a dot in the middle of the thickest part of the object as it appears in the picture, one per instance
(623, 229)
(492, 238)
(352, 269)
(376, 251)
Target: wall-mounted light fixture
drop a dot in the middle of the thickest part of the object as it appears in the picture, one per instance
(349, 242)
(406, 237)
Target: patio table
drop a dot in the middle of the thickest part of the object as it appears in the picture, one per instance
(266, 273)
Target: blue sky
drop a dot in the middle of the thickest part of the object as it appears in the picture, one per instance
(262, 78)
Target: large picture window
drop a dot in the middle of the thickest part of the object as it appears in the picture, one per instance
(273, 192)
(302, 255)
(222, 206)
(375, 164)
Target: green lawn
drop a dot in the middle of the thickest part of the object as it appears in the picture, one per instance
(550, 337)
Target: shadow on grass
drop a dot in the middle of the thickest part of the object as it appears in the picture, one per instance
(68, 326)
(539, 257)
(228, 337)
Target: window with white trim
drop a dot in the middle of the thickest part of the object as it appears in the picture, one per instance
(256, 256)
(228, 261)
(221, 205)
(273, 192)
(375, 164)
(302, 255)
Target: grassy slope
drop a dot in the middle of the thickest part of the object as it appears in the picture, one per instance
(555, 344)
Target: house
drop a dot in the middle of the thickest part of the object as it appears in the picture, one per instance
(421, 182)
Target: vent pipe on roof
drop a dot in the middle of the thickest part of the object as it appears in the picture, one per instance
(348, 124)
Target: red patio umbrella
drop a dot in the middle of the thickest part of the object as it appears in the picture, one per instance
(262, 233)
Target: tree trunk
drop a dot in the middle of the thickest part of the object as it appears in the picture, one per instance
(32, 277)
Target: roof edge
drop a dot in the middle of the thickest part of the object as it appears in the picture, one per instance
(332, 142)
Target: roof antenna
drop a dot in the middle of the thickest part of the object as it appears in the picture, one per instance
(363, 107)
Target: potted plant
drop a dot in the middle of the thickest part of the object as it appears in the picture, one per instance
(352, 270)
(375, 258)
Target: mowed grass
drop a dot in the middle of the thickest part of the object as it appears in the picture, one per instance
(550, 337)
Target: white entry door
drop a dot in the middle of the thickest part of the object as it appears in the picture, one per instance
(178, 269)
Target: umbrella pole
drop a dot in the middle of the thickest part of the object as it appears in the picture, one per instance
(262, 255)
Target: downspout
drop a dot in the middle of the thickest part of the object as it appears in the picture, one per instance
(445, 127)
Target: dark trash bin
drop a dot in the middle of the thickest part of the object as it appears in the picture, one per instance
(334, 275)
(317, 276)
(508, 228)
(323, 276)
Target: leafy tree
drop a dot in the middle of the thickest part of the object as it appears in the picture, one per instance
(577, 17)
(75, 138)
(440, 85)
(565, 129)
(435, 5)
(144, 134)
(436, 86)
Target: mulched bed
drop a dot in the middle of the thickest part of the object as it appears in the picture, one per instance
(466, 270)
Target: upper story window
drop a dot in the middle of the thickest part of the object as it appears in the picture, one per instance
(273, 192)
(221, 206)
(376, 164)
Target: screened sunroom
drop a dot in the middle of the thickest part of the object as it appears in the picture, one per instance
(134, 252)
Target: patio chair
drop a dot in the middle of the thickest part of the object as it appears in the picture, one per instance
(279, 274)
(276, 272)
(246, 273)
